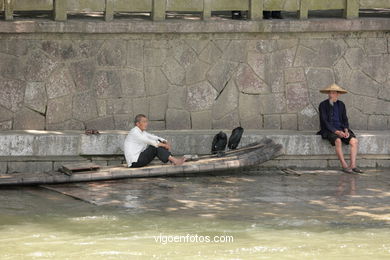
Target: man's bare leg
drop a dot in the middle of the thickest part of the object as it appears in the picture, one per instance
(354, 149)
(176, 161)
(339, 152)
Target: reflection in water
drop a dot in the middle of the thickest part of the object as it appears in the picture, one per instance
(347, 185)
(318, 215)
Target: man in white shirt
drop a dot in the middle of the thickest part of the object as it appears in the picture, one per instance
(142, 147)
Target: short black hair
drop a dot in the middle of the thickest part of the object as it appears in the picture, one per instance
(138, 118)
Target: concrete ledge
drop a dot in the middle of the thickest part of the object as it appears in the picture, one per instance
(108, 143)
(180, 26)
(36, 151)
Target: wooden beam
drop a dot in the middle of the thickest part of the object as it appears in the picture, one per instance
(60, 7)
(158, 10)
(256, 9)
(109, 11)
(206, 15)
(304, 9)
(351, 9)
(9, 10)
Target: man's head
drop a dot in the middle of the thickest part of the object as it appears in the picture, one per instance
(141, 121)
(333, 95)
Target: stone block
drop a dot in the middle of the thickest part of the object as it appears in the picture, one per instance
(272, 122)
(201, 119)
(103, 123)
(59, 84)
(59, 110)
(377, 122)
(177, 119)
(375, 46)
(12, 94)
(141, 106)
(273, 103)
(154, 56)
(210, 54)
(135, 54)
(226, 102)
(297, 96)
(177, 97)
(84, 106)
(82, 73)
(293, 75)
(236, 51)
(174, 72)
(155, 81)
(56, 145)
(123, 122)
(66, 125)
(220, 73)
(113, 53)
(35, 97)
(29, 167)
(229, 121)
(200, 96)
(28, 119)
(289, 122)
(196, 72)
(156, 125)
(157, 107)
(248, 82)
(107, 84)
(39, 66)
(308, 119)
(118, 106)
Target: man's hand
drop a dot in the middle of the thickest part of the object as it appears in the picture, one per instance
(340, 134)
(165, 145)
(346, 133)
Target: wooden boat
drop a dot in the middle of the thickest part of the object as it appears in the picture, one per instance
(250, 155)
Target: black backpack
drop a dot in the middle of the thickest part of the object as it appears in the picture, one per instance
(235, 137)
(219, 143)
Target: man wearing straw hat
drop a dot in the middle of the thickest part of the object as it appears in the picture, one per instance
(335, 127)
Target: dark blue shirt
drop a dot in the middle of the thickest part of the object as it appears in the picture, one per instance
(335, 116)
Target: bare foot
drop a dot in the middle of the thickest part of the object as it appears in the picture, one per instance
(178, 161)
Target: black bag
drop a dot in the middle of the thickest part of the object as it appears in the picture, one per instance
(219, 143)
(235, 138)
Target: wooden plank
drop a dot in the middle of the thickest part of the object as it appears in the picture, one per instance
(230, 5)
(159, 10)
(60, 13)
(78, 167)
(185, 5)
(109, 12)
(352, 9)
(370, 4)
(9, 10)
(304, 9)
(33, 5)
(133, 6)
(206, 15)
(85, 5)
(256, 9)
(284, 5)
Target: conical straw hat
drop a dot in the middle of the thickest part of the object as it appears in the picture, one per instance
(333, 87)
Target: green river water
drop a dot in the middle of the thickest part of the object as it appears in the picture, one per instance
(318, 215)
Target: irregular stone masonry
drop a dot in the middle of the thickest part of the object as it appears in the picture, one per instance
(198, 80)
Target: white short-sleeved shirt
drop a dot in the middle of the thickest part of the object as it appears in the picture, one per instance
(136, 142)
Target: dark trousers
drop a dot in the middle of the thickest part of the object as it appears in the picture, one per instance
(149, 154)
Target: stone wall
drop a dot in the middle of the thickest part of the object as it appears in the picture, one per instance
(202, 80)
